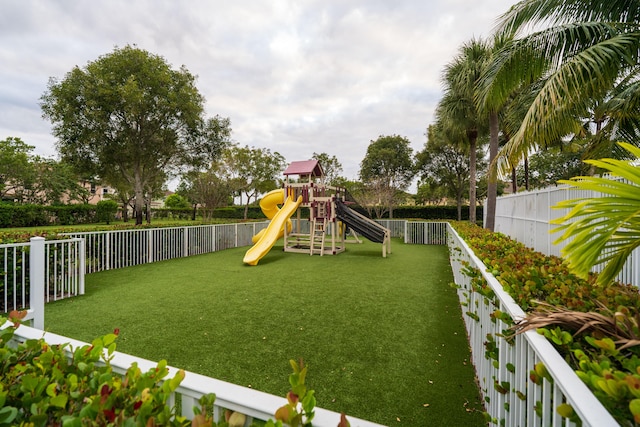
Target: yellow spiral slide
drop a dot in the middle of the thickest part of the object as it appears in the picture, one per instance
(264, 241)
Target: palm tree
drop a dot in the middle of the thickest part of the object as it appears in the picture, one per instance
(457, 111)
(493, 108)
(586, 50)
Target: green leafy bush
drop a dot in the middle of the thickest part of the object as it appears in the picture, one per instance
(41, 385)
(106, 210)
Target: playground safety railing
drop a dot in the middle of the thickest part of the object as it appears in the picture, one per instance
(511, 398)
(425, 232)
(56, 268)
(106, 250)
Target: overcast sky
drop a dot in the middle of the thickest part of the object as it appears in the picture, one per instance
(297, 77)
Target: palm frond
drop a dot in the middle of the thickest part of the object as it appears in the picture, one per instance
(527, 15)
(621, 326)
(606, 229)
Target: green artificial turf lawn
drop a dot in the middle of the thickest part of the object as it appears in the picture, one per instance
(383, 337)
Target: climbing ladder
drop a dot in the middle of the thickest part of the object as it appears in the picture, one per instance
(318, 232)
(318, 235)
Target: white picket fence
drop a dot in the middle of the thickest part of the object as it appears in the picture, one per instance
(40, 271)
(106, 250)
(511, 398)
(518, 402)
(526, 217)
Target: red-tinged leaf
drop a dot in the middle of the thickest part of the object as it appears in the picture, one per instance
(283, 414)
(292, 398)
(343, 421)
(16, 316)
(109, 415)
(200, 421)
(116, 331)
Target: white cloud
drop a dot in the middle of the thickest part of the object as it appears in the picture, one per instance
(296, 77)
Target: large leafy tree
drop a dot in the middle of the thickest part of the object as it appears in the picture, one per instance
(15, 165)
(581, 54)
(128, 117)
(444, 163)
(205, 189)
(458, 111)
(251, 171)
(332, 168)
(388, 167)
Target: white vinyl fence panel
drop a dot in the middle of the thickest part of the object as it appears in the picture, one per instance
(56, 270)
(526, 217)
(40, 271)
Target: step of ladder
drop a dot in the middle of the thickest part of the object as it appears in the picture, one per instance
(319, 227)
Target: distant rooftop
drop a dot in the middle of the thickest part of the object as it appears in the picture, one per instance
(305, 167)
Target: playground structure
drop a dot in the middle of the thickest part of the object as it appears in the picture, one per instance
(329, 217)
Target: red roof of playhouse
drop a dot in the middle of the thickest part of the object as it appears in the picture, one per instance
(304, 167)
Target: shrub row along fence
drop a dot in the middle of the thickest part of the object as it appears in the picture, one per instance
(504, 366)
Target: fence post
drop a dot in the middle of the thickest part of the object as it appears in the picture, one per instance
(82, 267)
(185, 247)
(36, 281)
(150, 248)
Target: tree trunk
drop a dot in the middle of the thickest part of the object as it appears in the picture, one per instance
(473, 136)
(147, 211)
(492, 185)
(139, 197)
(193, 214)
(526, 173)
(514, 181)
(459, 194)
(125, 211)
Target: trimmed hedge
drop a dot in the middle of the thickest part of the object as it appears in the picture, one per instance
(12, 215)
(16, 215)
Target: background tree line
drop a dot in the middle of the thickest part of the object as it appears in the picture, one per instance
(130, 120)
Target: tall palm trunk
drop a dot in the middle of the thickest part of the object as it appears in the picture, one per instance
(492, 186)
(472, 134)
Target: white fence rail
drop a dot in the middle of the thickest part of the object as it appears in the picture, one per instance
(253, 403)
(504, 381)
(40, 271)
(511, 398)
(526, 217)
(113, 249)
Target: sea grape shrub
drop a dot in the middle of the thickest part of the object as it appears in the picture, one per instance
(41, 385)
(530, 276)
(608, 362)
